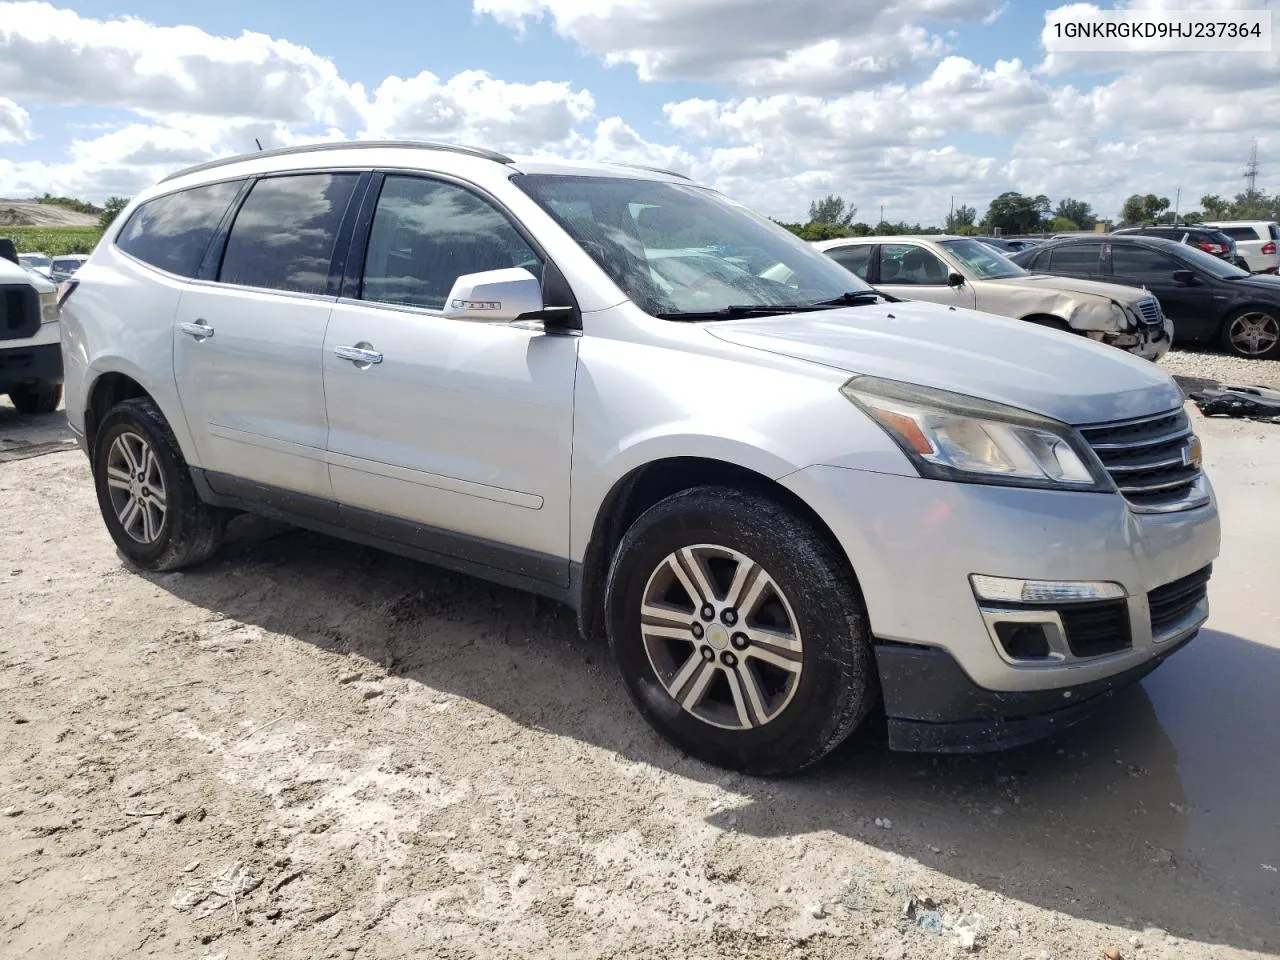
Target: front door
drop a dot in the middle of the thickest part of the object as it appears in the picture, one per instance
(462, 430)
(913, 272)
(247, 351)
(1191, 306)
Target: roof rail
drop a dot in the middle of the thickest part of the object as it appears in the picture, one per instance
(641, 166)
(345, 145)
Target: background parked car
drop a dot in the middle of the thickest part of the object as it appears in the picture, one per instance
(40, 262)
(1005, 245)
(1256, 240)
(1208, 239)
(30, 333)
(64, 268)
(964, 272)
(1207, 298)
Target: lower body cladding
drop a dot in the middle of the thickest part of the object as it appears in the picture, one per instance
(1003, 614)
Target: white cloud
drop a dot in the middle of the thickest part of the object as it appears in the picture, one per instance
(810, 46)
(473, 106)
(15, 122)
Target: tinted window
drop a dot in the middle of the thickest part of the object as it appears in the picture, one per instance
(1275, 232)
(856, 260)
(1076, 258)
(172, 232)
(1129, 261)
(1241, 233)
(905, 263)
(986, 262)
(284, 234)
(427, 233)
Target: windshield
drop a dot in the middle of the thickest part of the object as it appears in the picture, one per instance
(982, 260)
(684, 249)
(34, 259)
(1215, 266)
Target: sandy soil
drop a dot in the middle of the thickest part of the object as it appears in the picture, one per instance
(310, 749)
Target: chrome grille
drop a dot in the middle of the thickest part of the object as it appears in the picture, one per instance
(1149, 311)
(1150, 459)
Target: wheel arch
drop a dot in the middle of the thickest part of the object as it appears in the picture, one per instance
(110, 387)
(648, 484)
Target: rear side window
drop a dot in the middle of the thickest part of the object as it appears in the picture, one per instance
(284, 233)
(172, 232)
(427, 233)
(1135, 261)
(1275, 231)
(1076, 258)
(856, 259)
(1241, 233)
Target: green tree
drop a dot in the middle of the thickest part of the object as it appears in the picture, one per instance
(1143, 208)
(1077, 211)
(832, 209)
(1013, 213)
(1215, 208)
(961, 220)
(110, 210)
(1063, 225)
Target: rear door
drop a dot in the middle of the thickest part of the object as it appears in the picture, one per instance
(858, 258)
(1074, 260)
(1191, 306)
(249, 344)
(914, 272)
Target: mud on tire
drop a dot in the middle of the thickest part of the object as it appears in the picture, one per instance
(134, 441)
(811, 607)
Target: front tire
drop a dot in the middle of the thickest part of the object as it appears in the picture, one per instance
(739, 631)
(148, 501)
(43, 396)
(1254, 333)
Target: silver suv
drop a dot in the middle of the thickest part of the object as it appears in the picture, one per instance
(784, 498)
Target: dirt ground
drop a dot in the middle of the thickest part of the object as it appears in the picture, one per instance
(307, 749)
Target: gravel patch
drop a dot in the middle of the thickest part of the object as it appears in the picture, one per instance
(1198, 369)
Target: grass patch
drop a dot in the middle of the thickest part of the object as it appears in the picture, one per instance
(54, 241)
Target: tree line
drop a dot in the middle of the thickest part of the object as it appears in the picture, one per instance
(1014, 214)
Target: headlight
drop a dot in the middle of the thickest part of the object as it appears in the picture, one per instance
(949, 436)
(49, 306)
(1122, 317)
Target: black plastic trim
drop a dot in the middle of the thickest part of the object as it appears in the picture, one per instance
(511, 566)
(43, 362)
(211, 262)
(933, 705)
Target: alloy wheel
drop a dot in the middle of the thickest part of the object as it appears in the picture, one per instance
(135, 483)
(1254, 333)
(721, 636)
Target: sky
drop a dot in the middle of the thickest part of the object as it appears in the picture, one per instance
(909, 104)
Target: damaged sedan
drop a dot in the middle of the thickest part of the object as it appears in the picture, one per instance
(962, 272)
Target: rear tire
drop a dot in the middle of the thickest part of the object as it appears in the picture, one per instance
(43, 396)
(1053, 323)
(145, 492)
(769, 667)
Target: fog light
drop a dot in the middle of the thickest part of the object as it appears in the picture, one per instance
(1023, 641)
(1011, 590)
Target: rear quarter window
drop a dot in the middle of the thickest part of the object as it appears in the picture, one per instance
(1241, 233)
(173, 232)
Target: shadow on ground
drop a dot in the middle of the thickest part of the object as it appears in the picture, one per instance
(1097, 823)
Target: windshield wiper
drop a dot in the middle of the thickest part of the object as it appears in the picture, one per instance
(738, 311)
(854, 298)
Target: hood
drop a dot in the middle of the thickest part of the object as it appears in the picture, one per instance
(1111, 291)
(1259, 281)
(1069, 378)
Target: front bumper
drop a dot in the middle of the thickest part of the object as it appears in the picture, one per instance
(1147, 342)
(30, 364)
(913, 543)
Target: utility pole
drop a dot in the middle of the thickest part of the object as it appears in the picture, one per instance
(882, 213)
(1176, 203)
(1251, 170)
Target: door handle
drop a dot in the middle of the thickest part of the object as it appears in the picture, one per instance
(359, 355)
(200, 329)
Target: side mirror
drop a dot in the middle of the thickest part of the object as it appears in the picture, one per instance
(494, 296)
(1185, 278)
(19, 311)
(955, 280)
